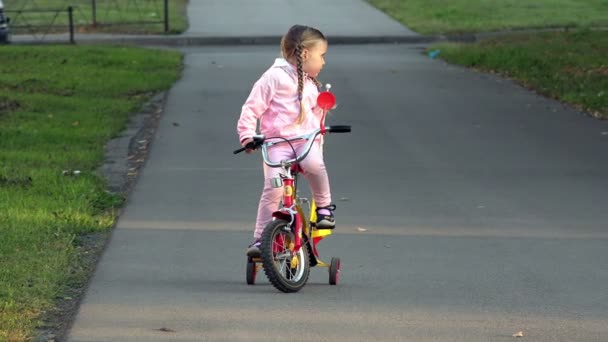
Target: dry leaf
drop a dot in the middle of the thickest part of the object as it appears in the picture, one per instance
(519, 334)
(75, 123)
(361, 229)
(166, 330)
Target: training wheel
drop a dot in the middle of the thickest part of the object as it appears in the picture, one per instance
(251, 271)
(334, 271)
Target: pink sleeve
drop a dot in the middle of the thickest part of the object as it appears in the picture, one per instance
(257, 103)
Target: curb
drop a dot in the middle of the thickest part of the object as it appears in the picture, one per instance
(185, 41)
(125, 154)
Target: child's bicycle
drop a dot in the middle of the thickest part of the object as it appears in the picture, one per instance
(289, 242)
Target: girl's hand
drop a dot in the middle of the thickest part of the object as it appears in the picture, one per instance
(244, 144)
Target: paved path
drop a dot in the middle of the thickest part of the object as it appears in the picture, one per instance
(483, 204)
(243, 18)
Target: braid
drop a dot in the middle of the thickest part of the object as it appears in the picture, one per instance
(298, 53)
(317, 83)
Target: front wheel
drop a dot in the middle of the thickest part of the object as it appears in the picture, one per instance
(286, 270)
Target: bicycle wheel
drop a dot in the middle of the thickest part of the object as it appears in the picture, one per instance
(287, 271)
(334, 271)
(251, 271)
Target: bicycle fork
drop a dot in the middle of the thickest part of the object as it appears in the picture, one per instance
(289, 212)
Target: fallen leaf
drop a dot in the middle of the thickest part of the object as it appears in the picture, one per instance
(75, 123)
(163, 329)
(519, 334)
(361, 229)
(175, 124)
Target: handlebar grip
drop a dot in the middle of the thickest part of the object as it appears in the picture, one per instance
(240, 150)
(250, 145)
(339, 129)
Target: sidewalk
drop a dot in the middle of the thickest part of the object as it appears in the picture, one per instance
(336, 18)
(243, 22)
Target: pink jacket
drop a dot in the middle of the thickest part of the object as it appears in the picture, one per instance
(274, 101)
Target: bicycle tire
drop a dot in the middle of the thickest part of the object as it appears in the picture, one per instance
(278, 269)
(251, 271)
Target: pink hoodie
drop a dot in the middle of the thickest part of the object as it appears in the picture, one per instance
(274, 100)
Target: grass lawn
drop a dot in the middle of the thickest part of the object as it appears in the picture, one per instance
(107, 11)
(58, 107)
(568, 66)
(458, 16)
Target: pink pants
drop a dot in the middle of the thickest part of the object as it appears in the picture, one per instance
(314, 172)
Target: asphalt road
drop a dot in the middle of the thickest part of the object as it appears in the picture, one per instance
(483, 204)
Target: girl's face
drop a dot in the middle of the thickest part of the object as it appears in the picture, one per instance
(313, 58)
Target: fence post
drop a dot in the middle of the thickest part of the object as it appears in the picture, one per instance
(166, 16)
(94, 6)
(71, 19)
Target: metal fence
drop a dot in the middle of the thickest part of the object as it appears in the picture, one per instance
(43, 17)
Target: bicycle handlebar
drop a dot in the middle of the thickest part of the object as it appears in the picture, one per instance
(261, 141)
(338, 129)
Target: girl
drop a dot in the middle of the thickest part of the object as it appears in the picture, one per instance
(284, 101)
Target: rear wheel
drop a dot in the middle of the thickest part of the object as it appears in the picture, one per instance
(251, 271)
(286, 270)
(334, 271)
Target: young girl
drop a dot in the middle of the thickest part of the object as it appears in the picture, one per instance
(284, 101)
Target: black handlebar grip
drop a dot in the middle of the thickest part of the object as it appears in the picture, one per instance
(240, 150)
(252, 145)
(339, 129)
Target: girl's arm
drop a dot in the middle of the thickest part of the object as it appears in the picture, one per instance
(257, 103)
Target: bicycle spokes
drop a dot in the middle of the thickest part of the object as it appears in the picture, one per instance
(285, 264)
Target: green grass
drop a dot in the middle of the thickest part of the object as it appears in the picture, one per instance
(568, 66)
(122, 11)
(58, 108)
(458, 16)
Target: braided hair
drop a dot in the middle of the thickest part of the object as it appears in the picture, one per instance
(293, 43)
